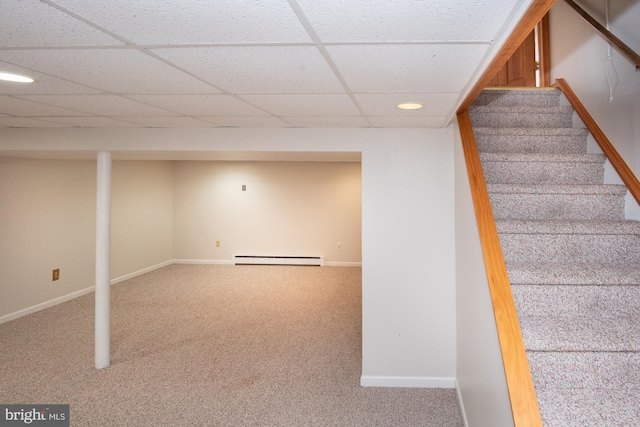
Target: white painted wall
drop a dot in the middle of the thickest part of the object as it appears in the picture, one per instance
(481, 380)
(408, 290)
(47, 221)
(141, 216)
(409, 313)
(579, 56)
(288, 208)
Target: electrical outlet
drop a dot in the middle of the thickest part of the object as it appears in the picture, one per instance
(217, 243)
(55, 275)
(339, 245)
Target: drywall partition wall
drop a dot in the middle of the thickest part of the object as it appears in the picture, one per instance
(268, 208)
(408, 294)
(47, 221)
(141, 216)
(407, 225)
(481, 382)
(579, 55)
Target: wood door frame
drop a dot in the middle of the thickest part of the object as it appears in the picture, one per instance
(538, 39)
(544, 50)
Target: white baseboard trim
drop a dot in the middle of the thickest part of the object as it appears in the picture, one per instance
(203, 261)
(76, 294)
(407, 382)
(30, 310)
(343, 264)
(461, 403)
(230, 262)
(140, 272)
(46, 304)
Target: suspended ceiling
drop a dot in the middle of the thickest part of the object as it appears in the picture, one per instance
(243, 63)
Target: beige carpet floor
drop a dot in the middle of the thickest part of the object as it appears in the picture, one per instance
(204, 345)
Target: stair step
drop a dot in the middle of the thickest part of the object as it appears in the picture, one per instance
(518, 116)
(572, 300)
(552, 226)
(532, 97)
(572, 333)
(524, 168)
(587, 388)
(598, 370)
(589, 407)
(571, 248)
(588, 274)
(531, 140)
(520, 201)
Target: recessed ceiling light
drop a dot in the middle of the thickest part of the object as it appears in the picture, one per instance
(410, 106)
(15, 78)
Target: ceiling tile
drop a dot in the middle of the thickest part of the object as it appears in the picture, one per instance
(112, 70)
(201, 105)
(305, 104)
(328, 122)
(43, 84)
(407, 68)
(248, 122)
(22, 107)
(91, 122)
(26, 122)
(435, 104)
(407, 122)
(34, 23)
(194, 22)
(406, 20)
(104, 105)
(268, 69)
(168, 122)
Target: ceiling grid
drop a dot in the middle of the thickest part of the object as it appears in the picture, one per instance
(242, 63)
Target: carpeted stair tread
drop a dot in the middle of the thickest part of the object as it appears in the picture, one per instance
(537, 97)
(542, 157)
(604, 189)
(522, 116)
(565, 226)
(582, 407)
(571, 248)
(539, 169)
(544, 201)
(590, 274)
(595, 370)
(577, 300)
(521, 109)
(531, 140)
(530, 131)
(573, 333)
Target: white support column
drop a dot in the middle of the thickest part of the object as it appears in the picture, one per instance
(103, 259)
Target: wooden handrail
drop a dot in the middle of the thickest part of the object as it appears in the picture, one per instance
(522, 395)
(534, 14)
(629, 179)
(614, 41)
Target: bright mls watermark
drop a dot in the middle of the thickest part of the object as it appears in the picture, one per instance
(34, 415)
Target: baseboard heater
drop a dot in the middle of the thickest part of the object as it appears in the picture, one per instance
(277, 260)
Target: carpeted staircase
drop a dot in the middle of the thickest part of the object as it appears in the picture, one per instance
(572, 258)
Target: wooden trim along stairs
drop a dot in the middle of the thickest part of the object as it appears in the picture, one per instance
(522, 394)
(629, 179)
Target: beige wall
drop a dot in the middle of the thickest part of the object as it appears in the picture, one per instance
(288, 208)
(579, 55)
(47, 221)
(141, 215)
